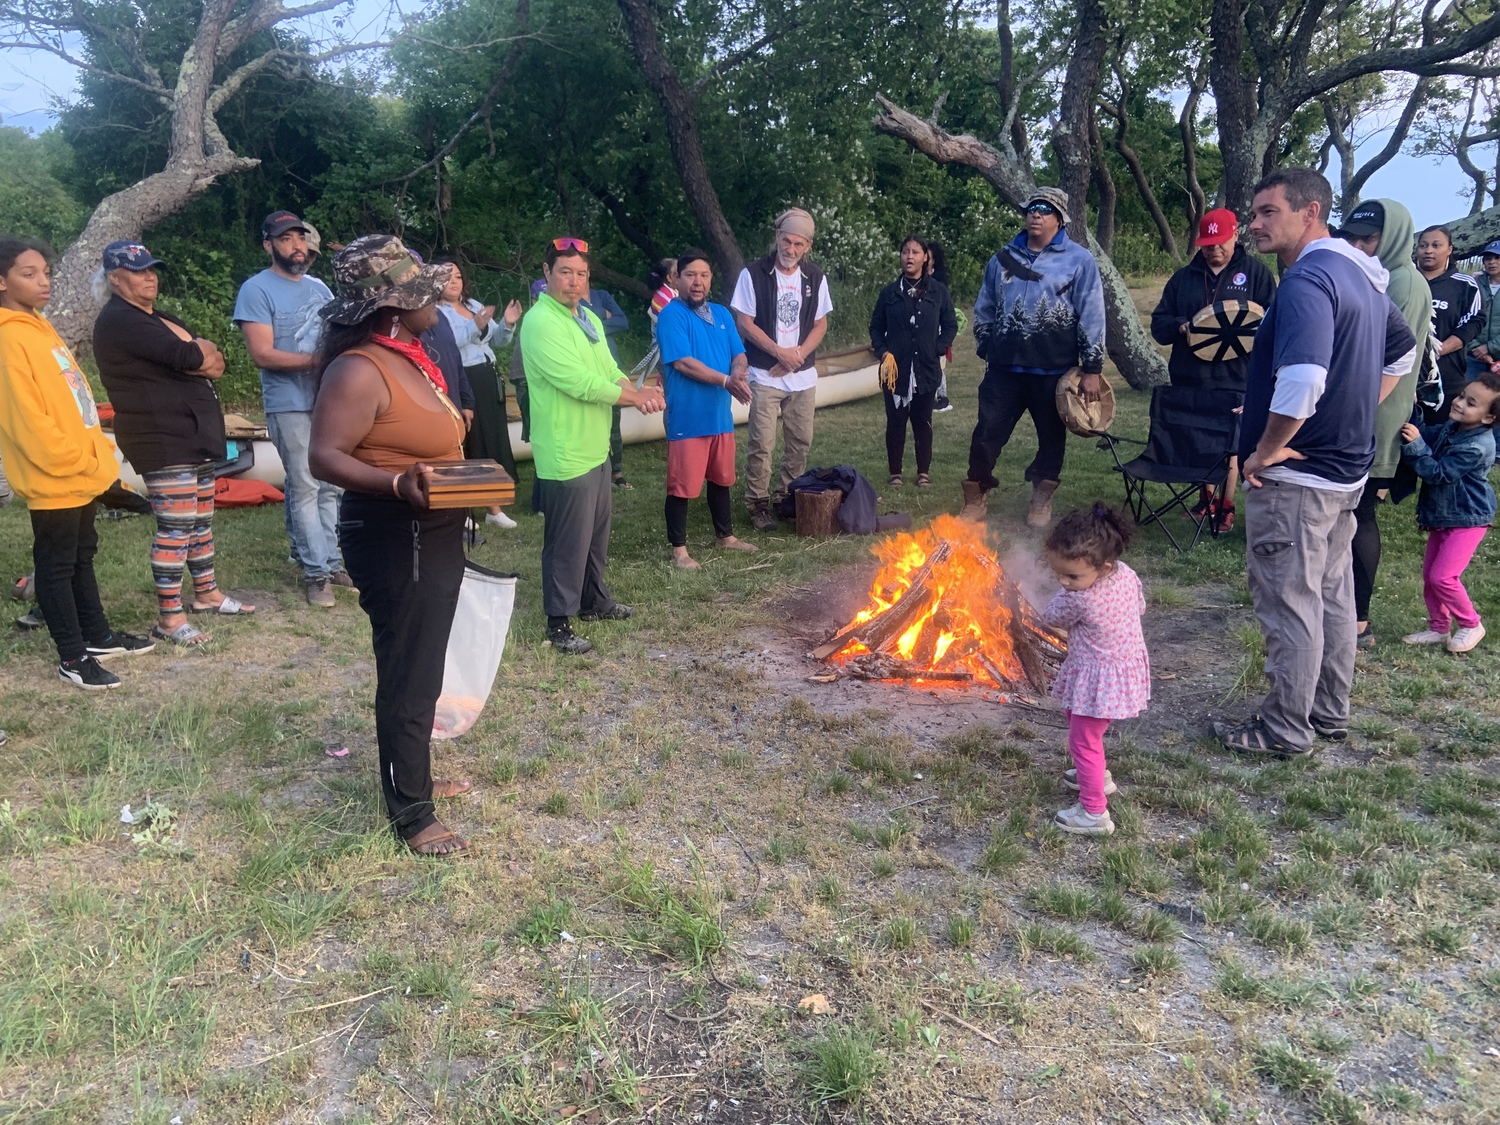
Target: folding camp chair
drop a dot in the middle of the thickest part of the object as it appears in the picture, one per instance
(1189, 446)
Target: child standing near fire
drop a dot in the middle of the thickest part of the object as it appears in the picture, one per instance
(1107, 674)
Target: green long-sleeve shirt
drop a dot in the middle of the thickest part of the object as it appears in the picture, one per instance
(574, 382)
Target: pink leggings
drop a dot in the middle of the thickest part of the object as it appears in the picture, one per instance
(1086, 744)
(1449, 550)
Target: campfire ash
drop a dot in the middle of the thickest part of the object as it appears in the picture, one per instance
(942, 611)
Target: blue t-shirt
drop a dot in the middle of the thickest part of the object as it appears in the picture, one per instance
(1327, 313)
(291, 309)
(697, 409)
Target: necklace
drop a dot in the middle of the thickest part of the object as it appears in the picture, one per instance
(413, 350)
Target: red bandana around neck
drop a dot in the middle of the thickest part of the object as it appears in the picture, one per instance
(412, 349)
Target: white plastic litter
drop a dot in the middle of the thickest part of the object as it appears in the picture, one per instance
(126, 816)
(475, 646)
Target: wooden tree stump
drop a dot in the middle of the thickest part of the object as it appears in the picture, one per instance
(818, 512)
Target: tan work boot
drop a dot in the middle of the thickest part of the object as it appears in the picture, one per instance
(1039, 514)
(974, 503)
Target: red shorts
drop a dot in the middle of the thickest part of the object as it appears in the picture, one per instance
(692, 460)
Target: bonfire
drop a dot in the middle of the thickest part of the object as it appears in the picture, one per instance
(943, 612)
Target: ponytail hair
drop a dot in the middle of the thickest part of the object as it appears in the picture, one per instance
(1098, 535)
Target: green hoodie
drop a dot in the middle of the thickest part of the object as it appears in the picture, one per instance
(1408, 289)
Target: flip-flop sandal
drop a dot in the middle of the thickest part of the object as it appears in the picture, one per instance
(623, 485)
(227, 608)
(1253, 738)
(429, 847)
(186, 634)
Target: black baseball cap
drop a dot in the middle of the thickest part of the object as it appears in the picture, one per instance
(279, 222)
(1366, 219)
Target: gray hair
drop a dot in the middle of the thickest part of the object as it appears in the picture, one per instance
(99, 285)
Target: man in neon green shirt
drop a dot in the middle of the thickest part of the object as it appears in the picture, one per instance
(574, 384)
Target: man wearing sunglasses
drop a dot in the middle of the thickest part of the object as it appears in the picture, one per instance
(574, 384)
(1040, 313)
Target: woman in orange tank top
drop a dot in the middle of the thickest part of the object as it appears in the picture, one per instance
(382, 413)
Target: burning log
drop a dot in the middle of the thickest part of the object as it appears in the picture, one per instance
(943, 609)
(891, 623)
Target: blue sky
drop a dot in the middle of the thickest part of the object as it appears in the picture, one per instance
(31, 83)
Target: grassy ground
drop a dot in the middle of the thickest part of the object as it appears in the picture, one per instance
(680, 839)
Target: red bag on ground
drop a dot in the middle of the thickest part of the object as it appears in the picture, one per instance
(232, 492)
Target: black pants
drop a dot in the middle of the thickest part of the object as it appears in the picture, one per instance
(63, 550)
(919, 412)
(719, 510)
(1003, 397)
(1366, 547)
(408, 566)
(616, 444)
(490, 434)
(575, 542)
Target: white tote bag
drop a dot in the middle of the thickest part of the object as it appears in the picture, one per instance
(475, 646)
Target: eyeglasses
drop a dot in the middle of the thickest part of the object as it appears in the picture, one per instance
(1041, 209)
(570, 244)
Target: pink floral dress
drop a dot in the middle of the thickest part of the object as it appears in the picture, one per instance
(1107, 674)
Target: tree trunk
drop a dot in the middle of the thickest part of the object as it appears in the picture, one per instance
(1474, 232)
(1235, 104)
(1129, 346)
(1187, 129)
(1133, 162)
(680, 109)
(1070, 136)
(1104, 187)
(1006, 86)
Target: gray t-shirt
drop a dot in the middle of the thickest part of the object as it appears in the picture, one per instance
(291, 309)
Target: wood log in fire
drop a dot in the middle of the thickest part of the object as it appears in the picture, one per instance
(892, 622)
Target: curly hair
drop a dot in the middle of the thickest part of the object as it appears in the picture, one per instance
(1098, 535)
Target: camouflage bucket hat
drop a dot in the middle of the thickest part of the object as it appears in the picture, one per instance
(377, 271)
(1053, 197)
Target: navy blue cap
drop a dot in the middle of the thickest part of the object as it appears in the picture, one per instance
(1492, 248)
(127, 255)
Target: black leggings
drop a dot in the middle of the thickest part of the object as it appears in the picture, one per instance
(919, 411)
(408, 566)
(1366, 547)
(718, 510)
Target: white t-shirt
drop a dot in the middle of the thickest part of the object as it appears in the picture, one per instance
(788, 323)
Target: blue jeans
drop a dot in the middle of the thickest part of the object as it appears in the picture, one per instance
(312, 506)
(1477, 367)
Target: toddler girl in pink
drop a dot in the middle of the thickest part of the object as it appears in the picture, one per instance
(1107, 674)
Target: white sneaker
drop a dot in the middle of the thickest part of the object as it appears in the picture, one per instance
(499, 519)
(1426, 637)
(1070, 779)
(1465, 639)
(1079, 821)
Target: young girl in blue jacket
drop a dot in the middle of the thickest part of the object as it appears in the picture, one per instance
(1455, 509)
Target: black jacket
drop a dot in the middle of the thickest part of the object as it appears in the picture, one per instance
(440, 344)
(1457, 310)
(1195, 287)
(163, 415)
(916, 330)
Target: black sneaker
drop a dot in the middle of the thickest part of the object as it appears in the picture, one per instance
(941, 406)
(87, 673)
(122, 644)
(616, 612)
(31, 619)
(568, 642)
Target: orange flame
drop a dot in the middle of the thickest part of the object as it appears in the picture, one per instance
(964, 625)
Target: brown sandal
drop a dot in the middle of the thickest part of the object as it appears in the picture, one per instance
(443, 842)
(446, 790)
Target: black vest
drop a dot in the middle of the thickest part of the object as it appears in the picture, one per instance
(763, 280)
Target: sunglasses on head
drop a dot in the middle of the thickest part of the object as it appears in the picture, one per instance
(1041, 209)
(570, 244)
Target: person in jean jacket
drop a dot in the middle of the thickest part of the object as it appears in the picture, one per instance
(1456, 508)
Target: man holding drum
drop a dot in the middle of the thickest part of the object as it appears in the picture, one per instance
(1208, 313)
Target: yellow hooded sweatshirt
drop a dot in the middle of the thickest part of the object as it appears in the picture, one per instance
(55, 453)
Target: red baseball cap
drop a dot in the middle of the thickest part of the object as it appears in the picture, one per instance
(1219, 225)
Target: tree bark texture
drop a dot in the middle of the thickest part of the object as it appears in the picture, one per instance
(1104, 188)
(1071, 135)
(1133, 351)
(1187, 129)
(679, 107)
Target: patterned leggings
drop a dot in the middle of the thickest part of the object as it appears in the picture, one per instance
(182, 499)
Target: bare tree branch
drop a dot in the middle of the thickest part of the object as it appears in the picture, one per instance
(262, 15)
(734, 58)
(157, 90)
(1393, 145)
(487, 104)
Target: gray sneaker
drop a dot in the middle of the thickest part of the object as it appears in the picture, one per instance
(1080, 822)
(320, 592)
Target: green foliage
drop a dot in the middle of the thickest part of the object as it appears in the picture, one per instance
(34, 198)
(842, 1066)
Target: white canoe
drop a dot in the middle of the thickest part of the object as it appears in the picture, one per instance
(837, 383)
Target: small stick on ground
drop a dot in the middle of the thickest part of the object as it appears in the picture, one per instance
(949, 1016)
